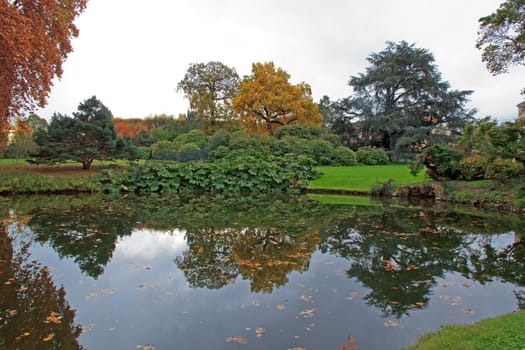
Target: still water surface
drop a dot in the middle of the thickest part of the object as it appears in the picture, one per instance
(212, 273)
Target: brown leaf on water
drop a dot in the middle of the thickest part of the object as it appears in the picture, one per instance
(281, 307)
(257, 303)
(11, 312)
(306, 298)
(454, 300)
(391, 323)
(237, 339)
(54, 318)
(259, 332)
(49, 337)
(90, 296)
(108, 290)
(351, 345)
(307, 313)
(352, 296)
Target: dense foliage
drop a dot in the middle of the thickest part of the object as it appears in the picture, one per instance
(34, 42)
(485, 150)
(87, 136)
(267, 100)
(238, 173)
(210, 88)
(400, 103)
(502, 37)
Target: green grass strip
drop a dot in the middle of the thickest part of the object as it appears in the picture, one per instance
(505, 332)
(361, 178)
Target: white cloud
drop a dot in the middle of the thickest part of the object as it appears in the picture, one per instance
(131, 53)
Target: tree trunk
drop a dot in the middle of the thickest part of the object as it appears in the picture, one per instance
(86, 164)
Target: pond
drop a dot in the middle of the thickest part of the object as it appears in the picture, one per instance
(92, 272)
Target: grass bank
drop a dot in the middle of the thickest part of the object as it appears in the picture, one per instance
(362, 178)
(19, 177)
(505, 332)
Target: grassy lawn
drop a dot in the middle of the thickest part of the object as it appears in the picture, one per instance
(361, 178)
(18, 176)
(505, 332)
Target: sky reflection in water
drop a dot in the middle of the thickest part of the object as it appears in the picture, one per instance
(273, 288)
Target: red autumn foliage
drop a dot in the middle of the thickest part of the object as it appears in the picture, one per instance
(129, 127)
(35, 40)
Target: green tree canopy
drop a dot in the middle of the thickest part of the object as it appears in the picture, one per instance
(87, 136)
(501, 37)
(210, 88)
(401, 103)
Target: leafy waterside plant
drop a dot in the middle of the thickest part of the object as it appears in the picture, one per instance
(238, 173)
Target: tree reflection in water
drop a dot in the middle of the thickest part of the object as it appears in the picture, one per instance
(34, 312)
(398, 253)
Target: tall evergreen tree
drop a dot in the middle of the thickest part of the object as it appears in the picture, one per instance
(89, 135)
(401, 103)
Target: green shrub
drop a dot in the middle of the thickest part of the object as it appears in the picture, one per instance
(240, 172)
(301, 131)
(344, 156)
(385, 189)
(220, 138)
(473, 168)
(500, 169)
(219, 152)
(194, 136)
(371, 156)
(162, 147)
(189, 147)
(144, 152)
(442, 162)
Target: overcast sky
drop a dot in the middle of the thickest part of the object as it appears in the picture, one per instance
(132, 53)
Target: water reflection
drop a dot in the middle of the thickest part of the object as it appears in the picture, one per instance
(34, 312)
(398, 256)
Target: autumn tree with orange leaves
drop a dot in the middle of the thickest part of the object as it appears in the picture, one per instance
(267, 101)
(129, 127)
(35, 39)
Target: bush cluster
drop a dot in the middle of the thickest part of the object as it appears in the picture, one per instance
(238, 173)
(318, 144)
(443, 162)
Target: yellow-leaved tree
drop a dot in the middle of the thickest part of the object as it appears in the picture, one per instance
(267, 101)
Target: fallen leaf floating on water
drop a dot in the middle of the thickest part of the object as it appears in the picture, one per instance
(257, 303)
(281, 307)
(90, 296)
(259, 332)
(53, 318)
(108, 290)
(306, 298)
(389, 266)
(307, 313)
(454, 300)
(419, 304)
(238, 340)
(391, 323)
(49, 337)
(11, 312)
(351, 296)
